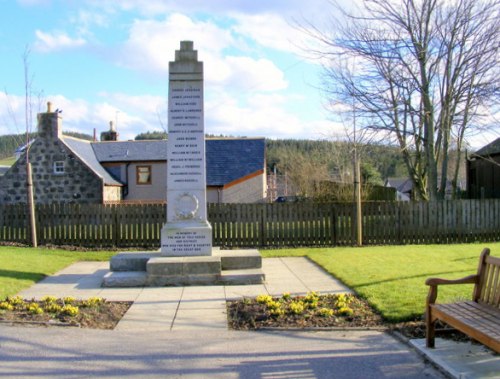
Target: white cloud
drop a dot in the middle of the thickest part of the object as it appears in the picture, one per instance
(271, 31)
(244, 74)
(152, 43)
(262, 115)
(86, 20)
(256, 115)
(47, 42)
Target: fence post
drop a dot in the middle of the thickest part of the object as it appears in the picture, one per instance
(115, 208)
(400, 222)
(333, 225)
(262, 236)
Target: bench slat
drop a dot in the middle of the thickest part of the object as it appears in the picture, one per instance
(480, 322)
(479, 318)
(476, 317)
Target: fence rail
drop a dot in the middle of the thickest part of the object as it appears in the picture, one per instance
(260, 225)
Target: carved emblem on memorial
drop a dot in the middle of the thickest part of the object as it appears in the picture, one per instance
(186, 206)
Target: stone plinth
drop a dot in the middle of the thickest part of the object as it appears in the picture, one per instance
(224, 267)
(186, 239)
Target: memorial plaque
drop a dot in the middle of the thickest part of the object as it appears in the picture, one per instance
(187, 231)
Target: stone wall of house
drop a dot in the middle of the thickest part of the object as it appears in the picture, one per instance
(76, 183)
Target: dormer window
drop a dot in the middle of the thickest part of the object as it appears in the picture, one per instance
(59, 167)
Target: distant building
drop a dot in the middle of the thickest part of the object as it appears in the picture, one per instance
(403, 186)
(483, 172)
(70, 170)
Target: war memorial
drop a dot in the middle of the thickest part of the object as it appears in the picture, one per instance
(186, 256)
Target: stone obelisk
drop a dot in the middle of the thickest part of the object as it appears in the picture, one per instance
(187, 231)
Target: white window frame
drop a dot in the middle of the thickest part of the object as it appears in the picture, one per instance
(59, 167)
(142, 170)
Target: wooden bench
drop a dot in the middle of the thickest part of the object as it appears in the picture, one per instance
(479, 318)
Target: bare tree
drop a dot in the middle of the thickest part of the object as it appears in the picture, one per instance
(421, 72)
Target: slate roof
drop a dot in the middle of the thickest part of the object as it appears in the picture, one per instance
(232, 159)
(490, 149)
(84, 151)
(403, 185)
(227, 159)
(130, 151)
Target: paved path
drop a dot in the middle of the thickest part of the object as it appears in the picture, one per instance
(81, 353)
(184, 308)
(182, 332)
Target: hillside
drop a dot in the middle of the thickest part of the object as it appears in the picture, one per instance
(10, 142)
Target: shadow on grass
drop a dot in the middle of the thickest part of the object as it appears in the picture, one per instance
(423, 276)
(21, 275)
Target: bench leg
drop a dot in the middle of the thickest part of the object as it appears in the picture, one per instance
(429, 329)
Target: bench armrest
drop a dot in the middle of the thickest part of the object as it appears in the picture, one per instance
(434, 282)
(471, 279)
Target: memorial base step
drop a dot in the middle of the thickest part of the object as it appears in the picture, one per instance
(121, 279)
(242, 277)
(223, 267)
(239, 259)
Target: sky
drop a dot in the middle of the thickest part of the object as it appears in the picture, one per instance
(106, 60)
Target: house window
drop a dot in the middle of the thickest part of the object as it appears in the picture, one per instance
(143, 174)
(59, 167)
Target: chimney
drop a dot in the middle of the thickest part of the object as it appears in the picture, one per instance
(110, 135)
(50, 124)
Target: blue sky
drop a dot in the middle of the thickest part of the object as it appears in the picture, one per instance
(102, 60)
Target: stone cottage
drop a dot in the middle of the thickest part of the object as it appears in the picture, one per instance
(60, 173)
(71, 170)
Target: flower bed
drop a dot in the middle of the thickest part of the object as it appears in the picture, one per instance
(310, 311)
(94, 312)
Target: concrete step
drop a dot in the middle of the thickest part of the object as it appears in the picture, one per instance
(239, 259)
(131, 261)
(182, 280)
(184, 266)
(125, 279)
(242, 277)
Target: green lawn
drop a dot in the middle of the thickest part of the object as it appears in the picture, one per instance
(21, 267)
(392, 278)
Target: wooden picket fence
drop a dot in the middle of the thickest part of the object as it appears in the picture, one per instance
(260, 225)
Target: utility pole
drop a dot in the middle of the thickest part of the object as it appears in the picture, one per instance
(29, 177)
(358, 226)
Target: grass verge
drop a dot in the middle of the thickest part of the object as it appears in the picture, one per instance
(392, 278)
(22, 267)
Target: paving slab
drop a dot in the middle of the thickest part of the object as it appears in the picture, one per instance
(461, 360)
